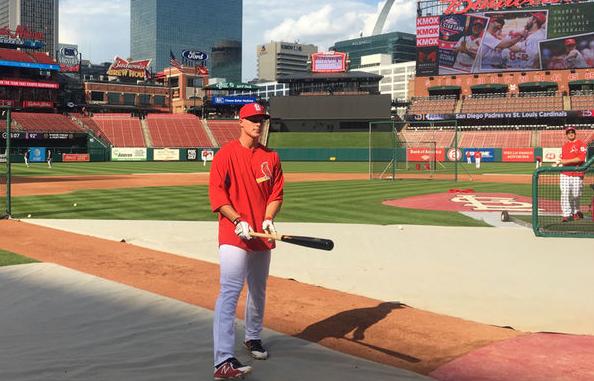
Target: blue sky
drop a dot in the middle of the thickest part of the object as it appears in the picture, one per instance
(102, 28)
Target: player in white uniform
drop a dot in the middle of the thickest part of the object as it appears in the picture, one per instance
(467, 47)
(525, 54)
(574, 59)
(588, 54)
(490, 57)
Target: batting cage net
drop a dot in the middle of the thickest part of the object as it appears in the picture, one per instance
(3, 178)
(562, 201)
(426, 150)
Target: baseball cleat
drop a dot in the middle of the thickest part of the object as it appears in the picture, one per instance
(256, 349)
(231, 369)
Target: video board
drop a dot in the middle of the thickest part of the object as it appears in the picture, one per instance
(527, 39)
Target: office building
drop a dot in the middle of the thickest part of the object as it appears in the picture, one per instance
(39, 16)
(400, 46)
(210, 26)
(397, 77)
(278, 59)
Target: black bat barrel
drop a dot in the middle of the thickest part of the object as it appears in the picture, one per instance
(314, 243)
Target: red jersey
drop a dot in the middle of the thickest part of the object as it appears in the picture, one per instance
(477, 154)
(571, 150)
(247, 179)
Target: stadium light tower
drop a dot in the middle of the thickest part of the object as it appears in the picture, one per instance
(381, 19)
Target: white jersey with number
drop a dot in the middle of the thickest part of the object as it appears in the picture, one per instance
(528, 56)
(489, 55)
(465, 61)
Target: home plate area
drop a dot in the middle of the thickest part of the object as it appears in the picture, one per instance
(487, 207)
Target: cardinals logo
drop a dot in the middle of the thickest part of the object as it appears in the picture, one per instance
(428, 57)
(266, 172)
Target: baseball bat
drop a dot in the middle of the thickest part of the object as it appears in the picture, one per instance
(312, 242)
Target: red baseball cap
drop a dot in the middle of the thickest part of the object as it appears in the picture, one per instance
(540, 17)
(567, 129)
(569, 42)
(252, 109)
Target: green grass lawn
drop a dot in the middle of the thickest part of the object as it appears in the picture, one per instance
(334, 202)
(113, 168)
(9, 259)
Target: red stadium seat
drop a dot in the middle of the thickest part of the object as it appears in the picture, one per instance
(224, 130)
(120, 129)
(179, 130)
(38, 122)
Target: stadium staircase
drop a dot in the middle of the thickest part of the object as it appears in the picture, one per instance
(566, 102)
(95, 133)
(147, 134)
(209, 133)
(459, 104)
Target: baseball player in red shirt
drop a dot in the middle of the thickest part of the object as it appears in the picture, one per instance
(477, 158)
(246, 190)
(573, 153)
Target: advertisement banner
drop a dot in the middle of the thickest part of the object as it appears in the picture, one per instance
(334, 62)
(192, 154)
(128, 154)
(207, 155)
(21, 38)
(517, 155)
(166, 154)
(232, 100)
(551, 155)
(131, 69)
(586, 114)
(427, 45)
(37, 154)
(487, 154)
(425, 154)
(68, 58)
(79, 157)
(459, 42)
(37, 104)
(526, 39)
(21, 83)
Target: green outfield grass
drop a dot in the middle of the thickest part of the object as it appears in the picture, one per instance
(115, 168)
(9, 259)
(335, 202)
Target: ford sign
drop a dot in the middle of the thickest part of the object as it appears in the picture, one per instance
(194, 55)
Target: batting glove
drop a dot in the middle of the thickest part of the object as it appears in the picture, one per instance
(243, 229)
(268, 226)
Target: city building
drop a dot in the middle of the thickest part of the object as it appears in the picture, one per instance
(397, 77)
(400, 46)
(278, 59)
(38, 16)
(158, 27)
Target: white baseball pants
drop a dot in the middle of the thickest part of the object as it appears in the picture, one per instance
(571, 191)
(478, 162)
(237, 266)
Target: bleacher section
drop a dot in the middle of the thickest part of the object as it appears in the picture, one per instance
(556, 138)
(582, 101)
(433, 105)
(224, 130)
(38, 122)
(495, 139)
(181, 130)
(121, 130)
(507, 103)
(441, 138)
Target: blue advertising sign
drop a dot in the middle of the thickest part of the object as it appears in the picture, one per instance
(194, 55)
(37, 154)
(228, 100)
(30, 65)
(487, 154)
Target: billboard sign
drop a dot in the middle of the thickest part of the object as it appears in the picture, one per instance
(517, 155)
(232, 100)
(425, 154)
(131, 69)
(34, 84)
(334, 62)
(128, 154)
(487, 154)
(76, 157)
(194, 55)
(166, 154)
(69, 59)
(21, 38)
(37, 154)
(526, 39)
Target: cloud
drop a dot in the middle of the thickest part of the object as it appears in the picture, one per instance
(102, 28)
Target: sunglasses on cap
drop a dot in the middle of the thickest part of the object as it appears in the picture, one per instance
(258, 118)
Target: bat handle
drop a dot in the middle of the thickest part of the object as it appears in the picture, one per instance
(274, 236)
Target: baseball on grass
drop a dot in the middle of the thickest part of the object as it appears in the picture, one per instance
(28, 216)
(75, 204)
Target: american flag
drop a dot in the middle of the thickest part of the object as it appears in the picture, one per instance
(173, 61)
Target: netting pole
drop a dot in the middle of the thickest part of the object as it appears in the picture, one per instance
(8, 171)
(394, 150)
(455, 151)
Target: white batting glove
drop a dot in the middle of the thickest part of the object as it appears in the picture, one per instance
(268, 226)
(243, 229)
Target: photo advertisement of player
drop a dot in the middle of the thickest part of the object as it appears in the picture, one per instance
(541, 38)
